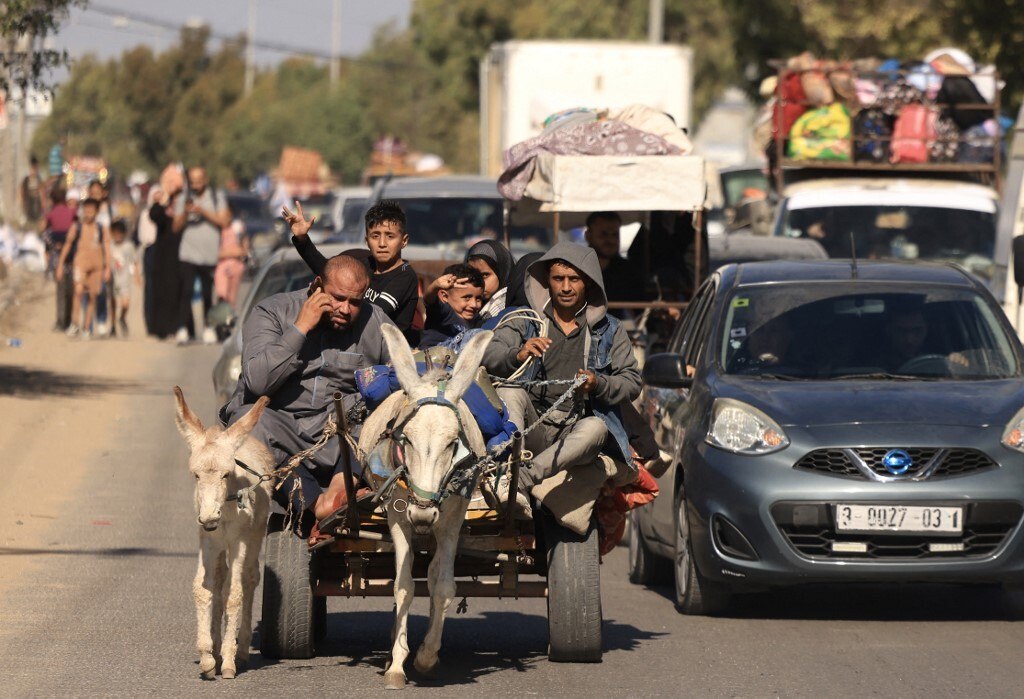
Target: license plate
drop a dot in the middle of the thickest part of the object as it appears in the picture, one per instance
(899, 518)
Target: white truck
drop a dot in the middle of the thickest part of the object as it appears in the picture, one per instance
(524, 82)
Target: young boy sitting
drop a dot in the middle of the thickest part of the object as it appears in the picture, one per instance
(453, 303)
(393, 283)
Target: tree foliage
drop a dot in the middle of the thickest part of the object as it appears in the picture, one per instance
(23, 26)
(422, 84)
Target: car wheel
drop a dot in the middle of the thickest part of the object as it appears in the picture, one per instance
(645, 567)
(695, 594)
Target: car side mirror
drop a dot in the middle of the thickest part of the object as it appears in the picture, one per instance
(666, 370)
(1018, 261)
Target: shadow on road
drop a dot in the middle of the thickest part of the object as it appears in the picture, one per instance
(875, 602)
(39, 383)
(99, 553)
(473, 647)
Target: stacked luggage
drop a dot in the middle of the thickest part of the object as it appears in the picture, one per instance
(939, 110)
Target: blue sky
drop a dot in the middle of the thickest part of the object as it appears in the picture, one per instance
(299, 23)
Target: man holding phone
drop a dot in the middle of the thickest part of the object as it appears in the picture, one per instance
(298, 348)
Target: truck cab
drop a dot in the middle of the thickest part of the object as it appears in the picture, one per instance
(896, 218)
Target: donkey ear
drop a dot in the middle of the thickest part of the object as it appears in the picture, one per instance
(466, 365)
(188, 424)
(239, 432)
(401, 358)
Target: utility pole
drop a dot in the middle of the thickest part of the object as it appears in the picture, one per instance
(656, 22)
(335, 67)
(250, 49)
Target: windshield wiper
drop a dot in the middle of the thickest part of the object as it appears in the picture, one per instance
(777, 377)
(883, 376)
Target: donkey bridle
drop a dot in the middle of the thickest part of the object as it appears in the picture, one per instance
(418, 496)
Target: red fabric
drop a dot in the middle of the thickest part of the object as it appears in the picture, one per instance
(60, 218)
(613, 504)
(912, 133)
(790, 91)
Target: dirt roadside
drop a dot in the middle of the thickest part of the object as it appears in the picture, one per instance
(61, 402)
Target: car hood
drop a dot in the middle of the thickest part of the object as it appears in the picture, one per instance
(809, 403)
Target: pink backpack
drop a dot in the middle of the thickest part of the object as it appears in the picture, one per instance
(913, 134)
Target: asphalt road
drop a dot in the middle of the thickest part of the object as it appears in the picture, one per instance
(97, 553)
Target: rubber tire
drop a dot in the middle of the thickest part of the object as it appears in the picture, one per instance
(644, 567)
(288, 626)
(574, 595)
(695, 595)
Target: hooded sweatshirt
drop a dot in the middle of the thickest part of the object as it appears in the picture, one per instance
(618, 378)
(500, 260)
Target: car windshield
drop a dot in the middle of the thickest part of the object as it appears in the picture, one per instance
(842, 331)
(963, 236)
(445, 220)
(248, 208)
(290, 275)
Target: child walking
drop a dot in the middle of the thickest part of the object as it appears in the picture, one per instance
(90, 248)
(125, 262)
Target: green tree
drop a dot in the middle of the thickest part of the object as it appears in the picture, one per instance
(24, 24)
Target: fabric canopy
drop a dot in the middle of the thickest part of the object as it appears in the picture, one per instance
(618, 183)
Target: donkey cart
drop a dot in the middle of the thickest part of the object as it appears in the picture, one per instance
(353, 555)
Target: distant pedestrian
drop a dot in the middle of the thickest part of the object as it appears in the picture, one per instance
(199, 217)
(145, 233)
(55, 227)
(89, 244)
(124, 273)
(32, 195)
(234, 249)
(165, 285)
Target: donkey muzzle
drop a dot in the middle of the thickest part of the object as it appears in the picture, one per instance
(422, 518)
(210, 523)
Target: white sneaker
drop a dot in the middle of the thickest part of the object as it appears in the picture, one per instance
(181, 337)
(102, 329)
(209, 336)
(86, 335)
(522, 503)
(72, 330)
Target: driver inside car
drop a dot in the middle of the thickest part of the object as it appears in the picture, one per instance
(905, 334)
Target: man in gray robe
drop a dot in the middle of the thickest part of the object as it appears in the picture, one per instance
(298, 348)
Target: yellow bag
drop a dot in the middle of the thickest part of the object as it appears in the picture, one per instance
(821, 134)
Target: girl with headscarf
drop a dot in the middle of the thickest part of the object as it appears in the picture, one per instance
(494, 262)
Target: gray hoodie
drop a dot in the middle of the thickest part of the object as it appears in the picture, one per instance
(618, 380)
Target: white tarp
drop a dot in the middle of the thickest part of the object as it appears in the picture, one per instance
(619, 183)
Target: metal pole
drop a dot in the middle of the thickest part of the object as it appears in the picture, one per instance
(656, 22)
(351, 515)
(506, 221)
(250, 49)
(513, 479)
(335, 67)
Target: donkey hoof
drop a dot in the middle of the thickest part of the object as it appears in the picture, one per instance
(208, 668)
(227, 673)
(394, 680)
(428, 671)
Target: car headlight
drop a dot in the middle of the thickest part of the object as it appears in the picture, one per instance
(743, 429)
(1013, 435)
(235, 368)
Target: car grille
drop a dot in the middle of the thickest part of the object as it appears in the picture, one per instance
(810, 529)
(842, 462)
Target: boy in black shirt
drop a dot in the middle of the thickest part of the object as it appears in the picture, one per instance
(393, 283)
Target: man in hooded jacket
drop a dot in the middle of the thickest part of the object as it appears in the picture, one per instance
(566, 288)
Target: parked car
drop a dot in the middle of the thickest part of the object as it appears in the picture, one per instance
(263, 229)
(831, 422)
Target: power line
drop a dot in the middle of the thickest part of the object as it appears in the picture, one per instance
(272, 46)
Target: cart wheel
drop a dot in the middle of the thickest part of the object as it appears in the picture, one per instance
(574, 594)
(288, 626)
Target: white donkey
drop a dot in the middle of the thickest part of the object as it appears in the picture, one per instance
(432, 419)
(230, 537)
